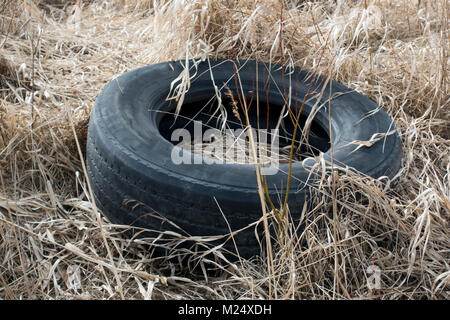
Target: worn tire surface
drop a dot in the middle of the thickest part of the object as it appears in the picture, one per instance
(128, 159)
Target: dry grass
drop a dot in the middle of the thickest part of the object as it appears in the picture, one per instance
(55, 59)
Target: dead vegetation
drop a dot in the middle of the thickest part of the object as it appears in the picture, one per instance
(55, 59)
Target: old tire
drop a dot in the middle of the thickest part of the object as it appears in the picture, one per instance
(129, 159)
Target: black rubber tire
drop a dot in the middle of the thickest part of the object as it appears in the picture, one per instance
(127, 158)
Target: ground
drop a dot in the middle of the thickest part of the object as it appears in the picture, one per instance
(55, 56)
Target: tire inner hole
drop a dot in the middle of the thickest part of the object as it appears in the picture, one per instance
(204, 115)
